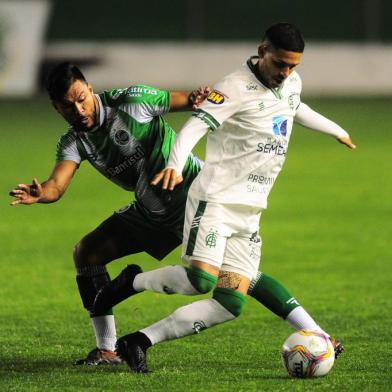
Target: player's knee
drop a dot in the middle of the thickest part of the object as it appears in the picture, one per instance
(232, 300)
(202, 281)
(84, 255)
(77, 254)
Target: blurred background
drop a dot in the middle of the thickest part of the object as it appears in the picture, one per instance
(185, 43)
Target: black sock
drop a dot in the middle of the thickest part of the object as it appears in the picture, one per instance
(88, 288)
(142, 340)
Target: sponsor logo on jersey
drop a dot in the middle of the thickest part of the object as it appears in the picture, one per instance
(121, 137)
(294, 101)
(275, 148)
(216, 98)
(141, 90)
(279, 125)
(130, 161)
(261, 179)
(251, 87)
(293, 78)
(256, 188)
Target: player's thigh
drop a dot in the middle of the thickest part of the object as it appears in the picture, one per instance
(204, 234)
(152, 234)
(242, 257)
(205, 266)
(118, 236)
(105, 243)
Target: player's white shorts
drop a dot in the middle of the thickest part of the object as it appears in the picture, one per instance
(223, 235)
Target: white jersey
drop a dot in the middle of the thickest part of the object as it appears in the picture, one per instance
(250, 127)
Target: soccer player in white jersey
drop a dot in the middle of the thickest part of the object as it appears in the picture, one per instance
(123, 135)
(250, 115)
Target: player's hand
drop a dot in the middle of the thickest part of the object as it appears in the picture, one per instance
(169, 177)
(196, 97)
(26, 194)
(347, 142)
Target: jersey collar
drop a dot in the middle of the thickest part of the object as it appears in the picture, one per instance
(101, 111)
(252, 66)
(101, 114)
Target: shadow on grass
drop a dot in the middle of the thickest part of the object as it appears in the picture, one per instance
(19, 366)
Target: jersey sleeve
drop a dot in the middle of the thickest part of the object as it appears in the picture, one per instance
(141, 102)
(297, 87)
(308, 118)
(223, 101)
(67, 149)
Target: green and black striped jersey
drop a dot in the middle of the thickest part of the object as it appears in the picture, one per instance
(131, 144)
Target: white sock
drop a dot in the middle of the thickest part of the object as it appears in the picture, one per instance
(166, 280)
(105, 332)
(299, 318)
(188, 320)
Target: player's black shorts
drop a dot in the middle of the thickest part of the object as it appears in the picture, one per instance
(134, 228)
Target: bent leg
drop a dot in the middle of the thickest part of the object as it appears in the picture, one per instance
(226, 304)
(91, 254)
(175, 279)
(272, 294)
(275, 297)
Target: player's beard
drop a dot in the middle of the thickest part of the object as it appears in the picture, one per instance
(93, 120)
(85, 126)
(278, 82)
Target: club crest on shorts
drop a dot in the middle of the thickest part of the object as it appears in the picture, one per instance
(211, 238)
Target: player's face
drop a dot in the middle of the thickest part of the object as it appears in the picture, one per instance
(79, 106)
(275, 65)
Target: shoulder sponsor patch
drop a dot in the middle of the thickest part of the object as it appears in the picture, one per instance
(141, 90)
(216, 98)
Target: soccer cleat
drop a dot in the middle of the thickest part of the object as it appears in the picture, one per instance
(100, 357)
(116, 290)
(132, 353)
(337, 346)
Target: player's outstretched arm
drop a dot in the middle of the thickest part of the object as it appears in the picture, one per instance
(47, 192)
(26, 194)
(180, 100)
(347, 142)
(313, 120)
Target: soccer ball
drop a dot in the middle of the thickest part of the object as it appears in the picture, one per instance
(308, 354)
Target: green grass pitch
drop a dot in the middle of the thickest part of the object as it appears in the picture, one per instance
(326, 236)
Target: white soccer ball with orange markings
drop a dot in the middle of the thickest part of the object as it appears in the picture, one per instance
(308, 354)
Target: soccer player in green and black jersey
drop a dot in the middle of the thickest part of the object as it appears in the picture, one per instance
(123, 135)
